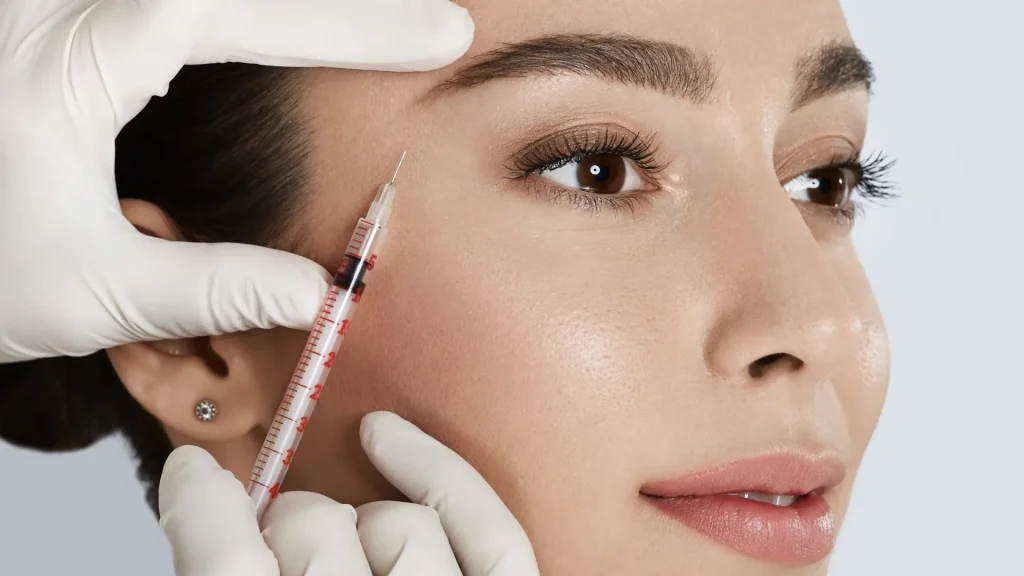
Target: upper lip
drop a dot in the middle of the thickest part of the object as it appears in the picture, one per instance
(780, 473)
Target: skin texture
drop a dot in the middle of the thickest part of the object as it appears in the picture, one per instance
(573, 356)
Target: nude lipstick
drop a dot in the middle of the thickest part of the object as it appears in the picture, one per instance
(773, 507)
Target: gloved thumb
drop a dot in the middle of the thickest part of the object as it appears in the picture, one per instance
(166, 290)
(209, 519)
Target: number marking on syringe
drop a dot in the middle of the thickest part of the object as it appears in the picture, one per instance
(320, 354)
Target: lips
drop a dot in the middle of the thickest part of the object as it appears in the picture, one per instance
(773, 508)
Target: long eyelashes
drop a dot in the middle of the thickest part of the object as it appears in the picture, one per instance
(575, 145)
(872, 173)
(572, 146)
(874, 184)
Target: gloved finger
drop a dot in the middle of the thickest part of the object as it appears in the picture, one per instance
(179, 289)
(133, 48)
(209, 519)
(404, 539)
(312, 535)
(485, 536)
(397, 35)
(127, 51)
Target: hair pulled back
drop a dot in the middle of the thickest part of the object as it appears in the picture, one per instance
(224, 155)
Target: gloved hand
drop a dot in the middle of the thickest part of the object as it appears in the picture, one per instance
(455, 515)
(75, 277)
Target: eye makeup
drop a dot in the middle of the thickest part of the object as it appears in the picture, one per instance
(605, 154)
(841, 186)
(584, 168)
(571, 144)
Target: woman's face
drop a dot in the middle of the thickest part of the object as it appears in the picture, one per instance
(596, 282)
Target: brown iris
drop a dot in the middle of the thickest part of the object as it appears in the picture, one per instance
(602, 173)
(835, 186)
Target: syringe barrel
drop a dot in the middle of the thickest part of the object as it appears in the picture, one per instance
(315, 364)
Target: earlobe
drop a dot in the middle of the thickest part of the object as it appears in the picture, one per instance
(170, 379)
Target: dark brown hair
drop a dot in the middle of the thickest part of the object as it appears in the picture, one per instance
(224, 155)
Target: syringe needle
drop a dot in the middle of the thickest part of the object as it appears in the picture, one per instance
(399, 168)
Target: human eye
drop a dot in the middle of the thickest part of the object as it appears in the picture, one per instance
(839, 186)
(597, 174)
(591, 168)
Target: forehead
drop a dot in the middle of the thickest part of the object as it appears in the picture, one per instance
(744, 36)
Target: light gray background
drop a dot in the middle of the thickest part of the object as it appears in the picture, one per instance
(939, 490)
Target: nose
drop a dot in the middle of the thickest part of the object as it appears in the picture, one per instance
(784, 338)
(783, 312)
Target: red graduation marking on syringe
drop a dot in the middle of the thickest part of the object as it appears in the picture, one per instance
(320, 354)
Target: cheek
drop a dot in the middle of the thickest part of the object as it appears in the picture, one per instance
(495, 356)
(861, 388)
(521, 364)
(864, 399)
(864, 382)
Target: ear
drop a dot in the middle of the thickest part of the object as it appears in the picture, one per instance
(170, 378)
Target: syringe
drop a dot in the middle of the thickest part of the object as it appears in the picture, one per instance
(310, 376)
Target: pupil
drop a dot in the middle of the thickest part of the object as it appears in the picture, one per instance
(602, 174)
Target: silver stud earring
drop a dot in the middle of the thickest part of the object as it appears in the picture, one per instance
(206, 411)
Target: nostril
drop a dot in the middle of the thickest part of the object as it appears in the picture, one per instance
(780, 362)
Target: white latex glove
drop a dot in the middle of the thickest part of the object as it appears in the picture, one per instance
(455, 519)
(75, 277)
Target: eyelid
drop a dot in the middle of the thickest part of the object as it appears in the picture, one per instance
(578, 141)
(571, 144)
(810, 155)
(587, 202)
(575, 128)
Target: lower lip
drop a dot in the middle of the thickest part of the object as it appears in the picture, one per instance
(800, 534)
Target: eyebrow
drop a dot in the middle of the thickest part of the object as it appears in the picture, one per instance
(834, 67)
(661, 66)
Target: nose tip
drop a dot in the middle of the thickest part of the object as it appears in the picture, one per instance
(778, 344)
